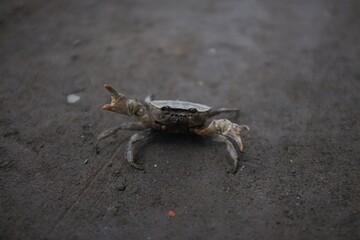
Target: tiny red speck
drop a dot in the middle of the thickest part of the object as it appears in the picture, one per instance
(171, 213)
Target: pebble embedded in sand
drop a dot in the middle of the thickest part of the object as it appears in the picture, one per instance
(72, 98)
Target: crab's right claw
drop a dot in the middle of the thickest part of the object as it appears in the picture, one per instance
(222, 130)
(235, 132)
(229, 129)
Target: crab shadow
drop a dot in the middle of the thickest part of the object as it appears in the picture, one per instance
(170, 147)
(184, 153)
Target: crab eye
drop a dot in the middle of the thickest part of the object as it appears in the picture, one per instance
(140, 112)
(192, 110)
(165, 108)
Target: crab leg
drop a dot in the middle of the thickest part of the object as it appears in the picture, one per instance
(220, 130)
(230, 147)
(132, 126)
(223, 110)
(134, 139)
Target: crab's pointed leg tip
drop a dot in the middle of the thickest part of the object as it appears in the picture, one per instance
(138, 167)
(232, 171)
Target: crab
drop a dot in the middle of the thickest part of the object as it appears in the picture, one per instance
(172, 116)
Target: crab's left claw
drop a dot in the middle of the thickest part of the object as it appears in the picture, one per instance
(112, 91)
(118, 101)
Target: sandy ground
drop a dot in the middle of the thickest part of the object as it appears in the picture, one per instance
(291, 67)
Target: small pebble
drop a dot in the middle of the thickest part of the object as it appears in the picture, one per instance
(114, 209)
(212, 50)
(121, 187)
(116, 173)
(72, 98)
(86, 161)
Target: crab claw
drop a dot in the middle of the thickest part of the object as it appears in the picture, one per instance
(222, 130)
(107, 107)
(118, 101)
(234, 133)
(112, 90)
(229, 129)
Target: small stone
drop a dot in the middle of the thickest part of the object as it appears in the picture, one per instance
(86, 161)
(114, 209)
(121, 187)
(116, 173)
(72, 98)
(212, 51)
